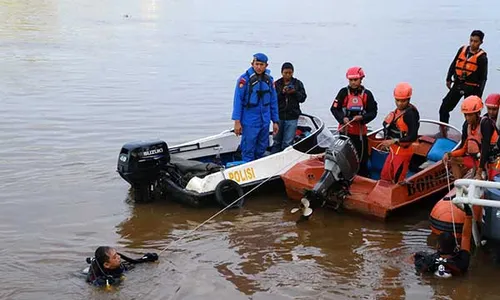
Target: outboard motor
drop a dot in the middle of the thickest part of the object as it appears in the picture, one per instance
(341, 165)
(140, 164)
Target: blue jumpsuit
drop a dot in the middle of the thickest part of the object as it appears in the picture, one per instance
(255, 105)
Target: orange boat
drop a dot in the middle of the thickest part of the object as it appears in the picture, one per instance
(330, 180)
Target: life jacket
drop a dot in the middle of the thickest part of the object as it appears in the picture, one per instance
(474, 137)
(396, 127)
(354, 105)
(466, 66)
(494, 168)
(255, 85)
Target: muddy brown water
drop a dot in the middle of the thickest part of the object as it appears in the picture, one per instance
(80, 78)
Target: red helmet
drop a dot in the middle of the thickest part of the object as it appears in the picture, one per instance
(355, 73)
(472, 104)
(403, 91)
(493, 100)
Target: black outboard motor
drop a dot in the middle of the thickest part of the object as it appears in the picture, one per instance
(140, 164)
(341, 165)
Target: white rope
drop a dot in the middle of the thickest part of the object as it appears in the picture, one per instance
(451, 205)
(239, 198)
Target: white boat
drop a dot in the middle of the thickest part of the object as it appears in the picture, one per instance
(196, 172)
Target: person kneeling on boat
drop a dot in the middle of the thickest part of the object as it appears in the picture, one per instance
(490, 152)
(106, 267)
(448, 260)
(400, 130)
(469, 153)
(353, 108)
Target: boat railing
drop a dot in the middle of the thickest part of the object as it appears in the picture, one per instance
(191, 147)
(470, 192)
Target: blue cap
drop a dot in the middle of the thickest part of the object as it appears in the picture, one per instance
(260, 57)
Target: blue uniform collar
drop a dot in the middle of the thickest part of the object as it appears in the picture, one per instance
(251, 71)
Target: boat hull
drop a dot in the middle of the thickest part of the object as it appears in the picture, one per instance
(379, 198)
(367, 196)
(193, 172)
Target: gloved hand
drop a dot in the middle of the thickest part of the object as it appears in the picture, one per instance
(151, 257)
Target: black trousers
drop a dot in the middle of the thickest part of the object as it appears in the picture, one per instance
(361, 145)
(454, 95)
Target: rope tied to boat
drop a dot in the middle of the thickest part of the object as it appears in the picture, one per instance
(244, 195)
(435, 179)
(451, 207)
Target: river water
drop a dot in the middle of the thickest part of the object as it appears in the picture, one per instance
(80, 78)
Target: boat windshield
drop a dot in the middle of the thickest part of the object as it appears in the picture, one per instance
(316, 136)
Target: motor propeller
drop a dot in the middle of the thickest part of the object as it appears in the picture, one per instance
(340, 167)
(304, 207)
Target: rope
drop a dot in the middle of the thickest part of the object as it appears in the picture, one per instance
(239, 198)
(451, 205)
(435, 179)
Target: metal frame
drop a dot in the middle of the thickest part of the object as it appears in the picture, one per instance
(475, 189)
(469, 192)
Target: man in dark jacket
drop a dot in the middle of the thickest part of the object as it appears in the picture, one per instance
(291, 93)
(466, 76)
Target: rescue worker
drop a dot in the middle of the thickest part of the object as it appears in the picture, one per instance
(400, 130)
(255, 105)
(489, 163)
(467, 75)
(291, 93)
(106, 267)
(448, 261)
(468, 154)
(355, 106)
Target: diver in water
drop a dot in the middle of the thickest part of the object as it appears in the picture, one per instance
(448, 260)
(106, 267)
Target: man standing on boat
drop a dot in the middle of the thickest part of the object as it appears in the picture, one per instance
(466, 76)
(255, 105)
(291, 93)
(400, 130)
(353, 108)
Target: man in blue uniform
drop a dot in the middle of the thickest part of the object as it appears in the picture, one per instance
(255, 105)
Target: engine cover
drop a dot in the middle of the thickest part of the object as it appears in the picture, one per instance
(343, 154)
(141, 162)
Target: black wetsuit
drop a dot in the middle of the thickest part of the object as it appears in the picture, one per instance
(457, 264)
(100, 276)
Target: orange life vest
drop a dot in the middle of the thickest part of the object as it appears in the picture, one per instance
(474, 137)
(397, 127)
(494, 168)
(354, 105)
(465, 66)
